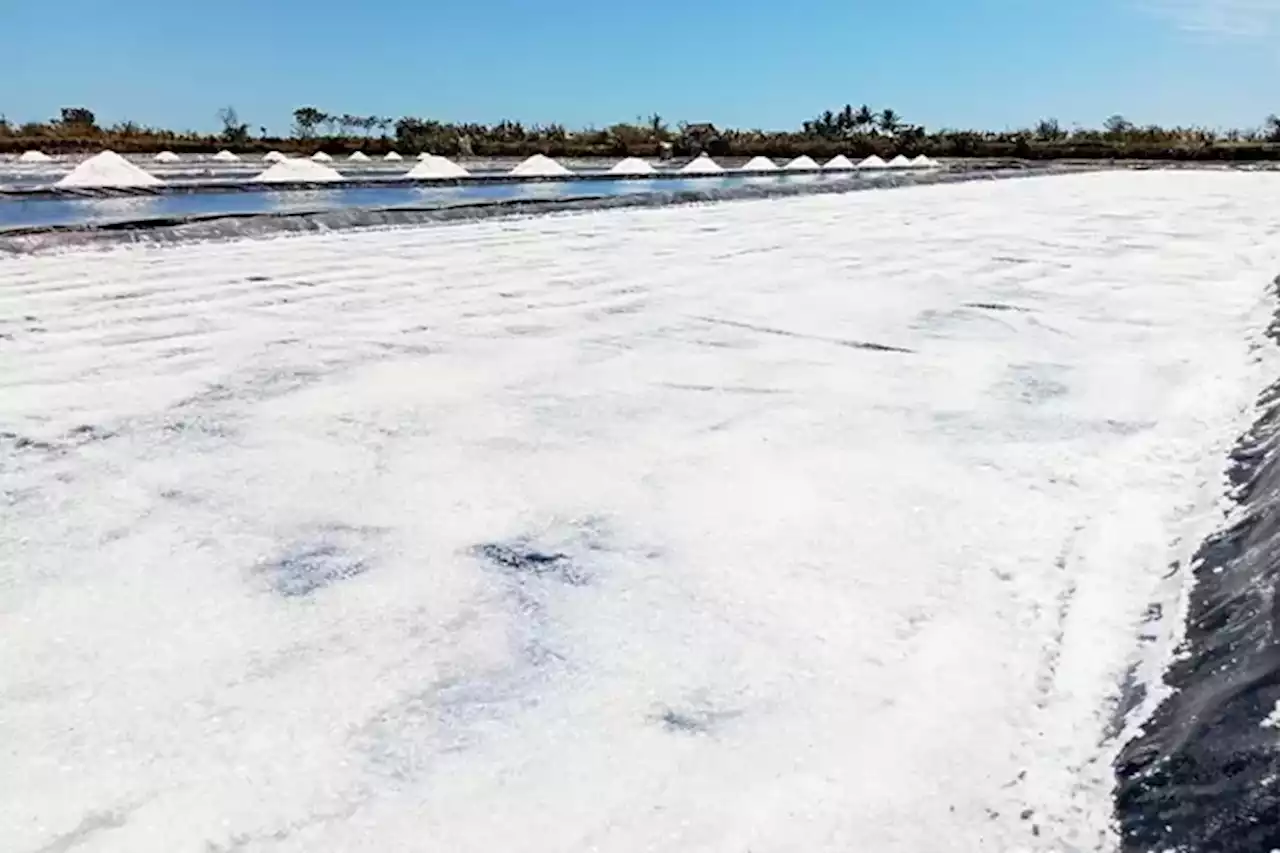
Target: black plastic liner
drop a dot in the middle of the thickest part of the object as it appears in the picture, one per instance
(226, 226)
(1204, 776)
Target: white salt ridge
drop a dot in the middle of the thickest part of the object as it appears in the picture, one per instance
(108, 169)
(539, 165)
(631, 166)
(759, 164)
(899, 162)
(839, 163)
(359, 157)
(803, 163)
(321, 157)
(701, 165)
(35, 157)
(292, 170)
(433, 167)
(167, 157)
(273, 157)
(225, 156)
(923, 161)
(393, 156)
(875, 161)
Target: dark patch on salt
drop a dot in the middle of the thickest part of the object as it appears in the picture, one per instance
(257, 278)
(521, 559)
(22, 442)
(996, 306)
(842, 342)
(307, 568)
(693, 721)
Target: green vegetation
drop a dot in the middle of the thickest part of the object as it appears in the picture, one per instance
(855, 131)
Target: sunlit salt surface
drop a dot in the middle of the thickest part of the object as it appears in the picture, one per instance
(817, 524)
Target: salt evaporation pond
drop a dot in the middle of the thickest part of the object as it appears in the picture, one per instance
(830, 523)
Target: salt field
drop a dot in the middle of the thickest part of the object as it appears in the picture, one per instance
(838, 522)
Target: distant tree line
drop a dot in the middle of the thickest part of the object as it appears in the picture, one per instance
(850, 130)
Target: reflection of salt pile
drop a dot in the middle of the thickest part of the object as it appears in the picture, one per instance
(34, 157)
(631, 166)
(298, 171)
(321, 157)
(436, 167)
(873, 162)
(923, 161)
(359, 157)
(108, 169)
(225, 156)
(759, 164)
(539, 166)
(166, 157)
(391, 155)
(273, 157)
(701, 165)
(899, 162)
(838, 163)
(803, 163)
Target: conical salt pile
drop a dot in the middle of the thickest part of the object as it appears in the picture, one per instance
(321, 157)
(873, 162)
(225, 156)
(924, 162)
(899, 162)
(436, 167)
(701, 165)
(108, 169)
(167, 157)
(359, 157)
(803, 163)
(34, 157)
(539, 165)
(838, 163)
(631, 166)
(391, 155)
(759, 164)
(425, 155)
(298, 171)
(273, 157)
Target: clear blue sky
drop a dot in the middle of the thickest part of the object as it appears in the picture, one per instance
(751, 63)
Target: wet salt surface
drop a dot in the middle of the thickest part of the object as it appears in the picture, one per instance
(46, 212)
(825, 523)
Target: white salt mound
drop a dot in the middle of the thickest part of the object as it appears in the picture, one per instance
(225, 156)
(167, 157)
(292, 170)
(873, 162)
(359, 157)
(899, 162)
(108, 169)
(923, 161)
(838, 163)
(34, 157)
(759, 164)
(631, 166)
(273, 157)
(701, 165)
(436, 167)
(803, 163)
(321, 157)
(539, 165)
(425, 156)
(392, 155)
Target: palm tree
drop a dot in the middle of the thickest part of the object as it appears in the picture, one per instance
(889, 120)
(1272, 127)
(864, 117)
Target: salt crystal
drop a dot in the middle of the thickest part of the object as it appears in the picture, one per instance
(702, 165)
(631, 166)
(292, 170)
(539, 165)
(803, 163)
(759, 164)
(433, 167)
(108, 169)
